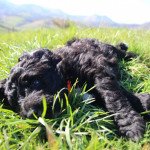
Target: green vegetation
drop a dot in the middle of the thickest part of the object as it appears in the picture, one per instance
(81, 125)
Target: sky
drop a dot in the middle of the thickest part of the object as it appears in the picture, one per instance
(121, 11)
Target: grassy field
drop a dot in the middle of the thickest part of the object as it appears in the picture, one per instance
(80, 126)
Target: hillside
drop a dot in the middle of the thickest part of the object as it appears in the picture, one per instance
(16, 16)
(32, 16)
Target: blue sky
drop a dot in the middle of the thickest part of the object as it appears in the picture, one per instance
(122, 11)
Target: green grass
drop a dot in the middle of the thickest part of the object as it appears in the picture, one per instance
(80, 125)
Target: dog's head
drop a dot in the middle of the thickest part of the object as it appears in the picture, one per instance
(36, 75)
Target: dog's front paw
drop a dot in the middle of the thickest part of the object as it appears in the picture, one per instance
(131, 125)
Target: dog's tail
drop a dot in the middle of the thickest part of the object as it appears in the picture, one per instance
(122, 46)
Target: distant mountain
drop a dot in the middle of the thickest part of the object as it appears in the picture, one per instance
(94, 20)
(31, 16)
(146, 25)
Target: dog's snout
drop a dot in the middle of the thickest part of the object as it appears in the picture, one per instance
(33, 104)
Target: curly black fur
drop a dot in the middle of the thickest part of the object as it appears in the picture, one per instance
(43, 72)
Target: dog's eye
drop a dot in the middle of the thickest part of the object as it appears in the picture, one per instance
(36, 83)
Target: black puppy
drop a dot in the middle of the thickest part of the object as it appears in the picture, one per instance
(43, 72)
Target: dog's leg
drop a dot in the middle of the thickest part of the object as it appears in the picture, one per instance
(130, 123)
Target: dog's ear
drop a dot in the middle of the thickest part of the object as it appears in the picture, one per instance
(11, 87)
